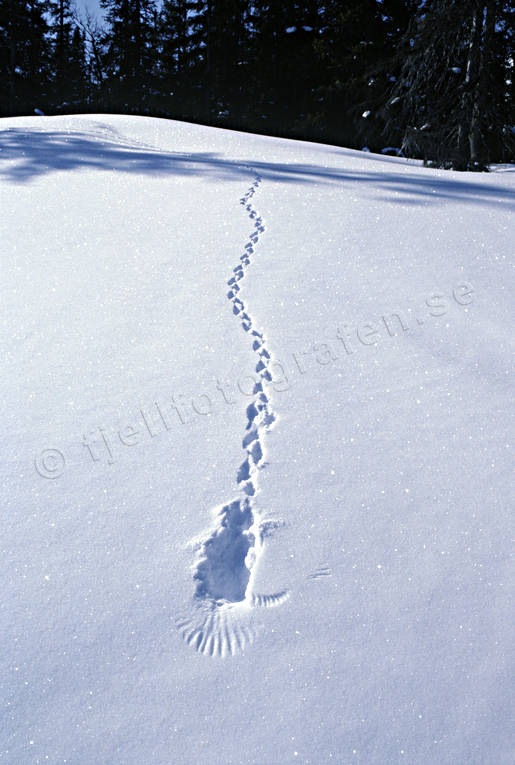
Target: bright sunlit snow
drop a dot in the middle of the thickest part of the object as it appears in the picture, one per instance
(257, 451)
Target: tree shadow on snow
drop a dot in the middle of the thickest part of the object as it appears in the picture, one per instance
(26, 154)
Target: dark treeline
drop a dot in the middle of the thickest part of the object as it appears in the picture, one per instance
(429, 79)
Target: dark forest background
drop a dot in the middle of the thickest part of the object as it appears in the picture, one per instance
(432, 80)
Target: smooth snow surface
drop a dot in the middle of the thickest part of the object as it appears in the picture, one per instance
(257, 451)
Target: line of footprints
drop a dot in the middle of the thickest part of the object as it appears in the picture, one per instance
(221, 620)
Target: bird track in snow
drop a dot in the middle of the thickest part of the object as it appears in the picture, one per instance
(322, 572)
(220, 622)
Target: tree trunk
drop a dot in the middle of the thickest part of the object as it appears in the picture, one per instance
(209, 61)
(480, 107)
(12, 59)
(470, 89)
(182, 27)
(61, 43)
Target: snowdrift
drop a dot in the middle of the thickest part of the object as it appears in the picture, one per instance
(257, 452)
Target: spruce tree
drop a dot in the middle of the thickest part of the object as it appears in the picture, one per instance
(131, 42)
(25, 56)
(452, 103)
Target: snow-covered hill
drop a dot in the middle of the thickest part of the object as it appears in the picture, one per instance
(257, 451)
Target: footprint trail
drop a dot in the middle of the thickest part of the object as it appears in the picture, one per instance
(221, 618)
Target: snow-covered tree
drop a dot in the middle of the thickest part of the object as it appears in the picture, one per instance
(451, 104)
